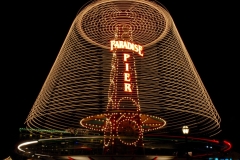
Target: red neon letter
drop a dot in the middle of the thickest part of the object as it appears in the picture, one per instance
(127, 87)
(127, 77)
(126, 67)
(112, 43)
(140, 50)
(126, 56)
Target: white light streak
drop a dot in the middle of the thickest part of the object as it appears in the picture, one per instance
(24, 144)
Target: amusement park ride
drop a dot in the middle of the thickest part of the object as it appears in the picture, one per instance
(123, 122)
(123, 72)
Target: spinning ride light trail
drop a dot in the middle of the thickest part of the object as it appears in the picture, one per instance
(124, 56)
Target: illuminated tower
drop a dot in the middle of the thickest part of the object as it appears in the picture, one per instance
(123, 122)
(92, 74)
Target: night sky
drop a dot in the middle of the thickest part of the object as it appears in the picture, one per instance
(33, 33)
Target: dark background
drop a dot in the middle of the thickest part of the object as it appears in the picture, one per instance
(33, 32)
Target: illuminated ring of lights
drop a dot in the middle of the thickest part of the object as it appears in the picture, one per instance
(99, 122)
(150, 123)
(96, 123)
(98, 21)
(124, 140)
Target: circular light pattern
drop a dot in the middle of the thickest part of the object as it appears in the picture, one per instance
(168, 83)
(99, 21)
(99, 122)
(128, 131)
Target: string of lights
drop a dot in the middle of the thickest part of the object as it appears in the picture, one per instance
(81, 81)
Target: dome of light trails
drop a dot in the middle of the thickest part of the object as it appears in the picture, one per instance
(155, 78)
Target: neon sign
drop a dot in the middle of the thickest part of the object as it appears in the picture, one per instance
(126, 56)
(127, 78)
(126, 45)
